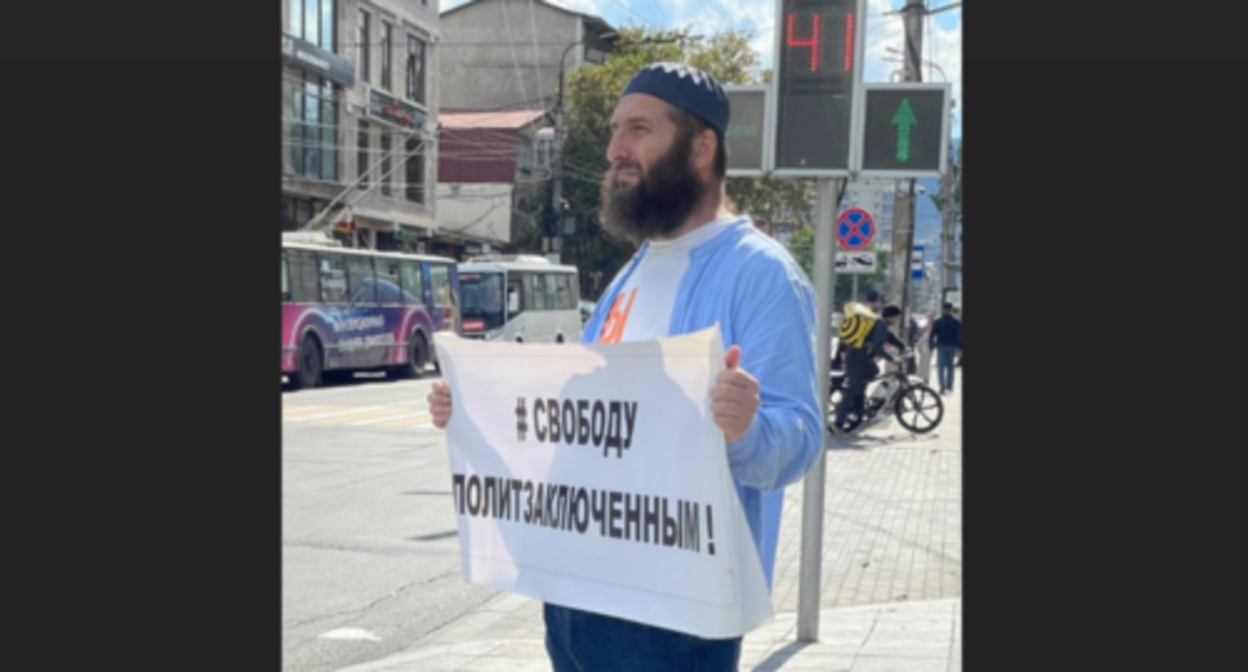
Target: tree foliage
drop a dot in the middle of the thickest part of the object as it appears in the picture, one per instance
(590, 99)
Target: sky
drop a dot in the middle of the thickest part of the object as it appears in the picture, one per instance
(942, 34)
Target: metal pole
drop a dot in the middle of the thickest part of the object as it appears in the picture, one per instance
(948, 213)
(556, 199)
(903, 231)
(812, 489)
(899, 287)
(556, 204)
(855, 299)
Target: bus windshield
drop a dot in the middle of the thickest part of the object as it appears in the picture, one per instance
(484, 302)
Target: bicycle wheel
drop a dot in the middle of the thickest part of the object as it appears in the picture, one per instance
(852, 418)
(919, 409)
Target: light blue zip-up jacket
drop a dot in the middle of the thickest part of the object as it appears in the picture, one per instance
(764, 303)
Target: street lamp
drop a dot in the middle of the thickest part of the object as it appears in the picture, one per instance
(608, 36)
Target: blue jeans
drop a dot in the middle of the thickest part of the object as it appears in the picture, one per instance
(579, 641)
(944, 366)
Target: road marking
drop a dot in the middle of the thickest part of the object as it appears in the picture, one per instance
(350, 635)
(380, 414)
(420, 420)
(424, 414)
(360, 386)
(299, 411)
(339, 413)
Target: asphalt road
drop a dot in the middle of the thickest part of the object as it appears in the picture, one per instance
(370, 555)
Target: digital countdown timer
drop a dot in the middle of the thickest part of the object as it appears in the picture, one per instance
(815, 72)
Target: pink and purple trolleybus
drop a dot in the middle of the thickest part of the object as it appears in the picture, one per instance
(347, 310)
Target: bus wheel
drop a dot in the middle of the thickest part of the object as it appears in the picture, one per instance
(559, 339)
(310, 364)
(417, 356)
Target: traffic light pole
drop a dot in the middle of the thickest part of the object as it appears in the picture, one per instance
(819, 54)
(812, 486)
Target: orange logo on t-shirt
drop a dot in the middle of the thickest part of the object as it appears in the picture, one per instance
(613, 327)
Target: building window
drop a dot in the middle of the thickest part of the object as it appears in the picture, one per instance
(415, 169)
(294, 18)
(314, 129)
(363, 50)
(545, 140)
(313, 20)
(303, 212)
(415, 69)
(387, 46)
(327, 25)
(524, 154)
(362, 159)
(384, 177)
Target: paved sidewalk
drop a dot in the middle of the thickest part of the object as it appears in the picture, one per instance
(892, 573)
(904, 637)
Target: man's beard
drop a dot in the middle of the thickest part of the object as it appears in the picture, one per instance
(659, 203)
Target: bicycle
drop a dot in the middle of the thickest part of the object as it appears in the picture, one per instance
(916, 406)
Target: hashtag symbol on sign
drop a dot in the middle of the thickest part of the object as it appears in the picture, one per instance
(522, 426)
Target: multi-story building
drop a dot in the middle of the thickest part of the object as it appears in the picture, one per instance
(491, 169)
(315, 77)
(359, 118)
(506, 54)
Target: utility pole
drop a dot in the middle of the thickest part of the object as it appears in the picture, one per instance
(903, 224)
(552, 241)
(948, 224)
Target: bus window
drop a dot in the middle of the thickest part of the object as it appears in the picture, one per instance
(302, 276)
(440, 280)
(388, 287)
(483, 299)
(333, 270)
(413, 283)
(557, 286)
(535, 292)
(363, 283)
(286, 295)
(514, 303)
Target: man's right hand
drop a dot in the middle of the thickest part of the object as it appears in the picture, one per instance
(440, 403)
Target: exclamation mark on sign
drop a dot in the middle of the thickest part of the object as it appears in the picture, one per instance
(710, 530)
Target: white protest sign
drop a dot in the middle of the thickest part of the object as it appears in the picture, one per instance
(594, 477)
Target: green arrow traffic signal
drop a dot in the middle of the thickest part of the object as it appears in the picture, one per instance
(903, 120)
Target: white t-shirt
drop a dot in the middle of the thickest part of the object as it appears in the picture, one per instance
(643, 308)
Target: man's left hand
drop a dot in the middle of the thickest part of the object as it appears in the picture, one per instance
(734, 399)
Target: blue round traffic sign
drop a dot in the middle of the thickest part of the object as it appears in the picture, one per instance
(854, 229)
